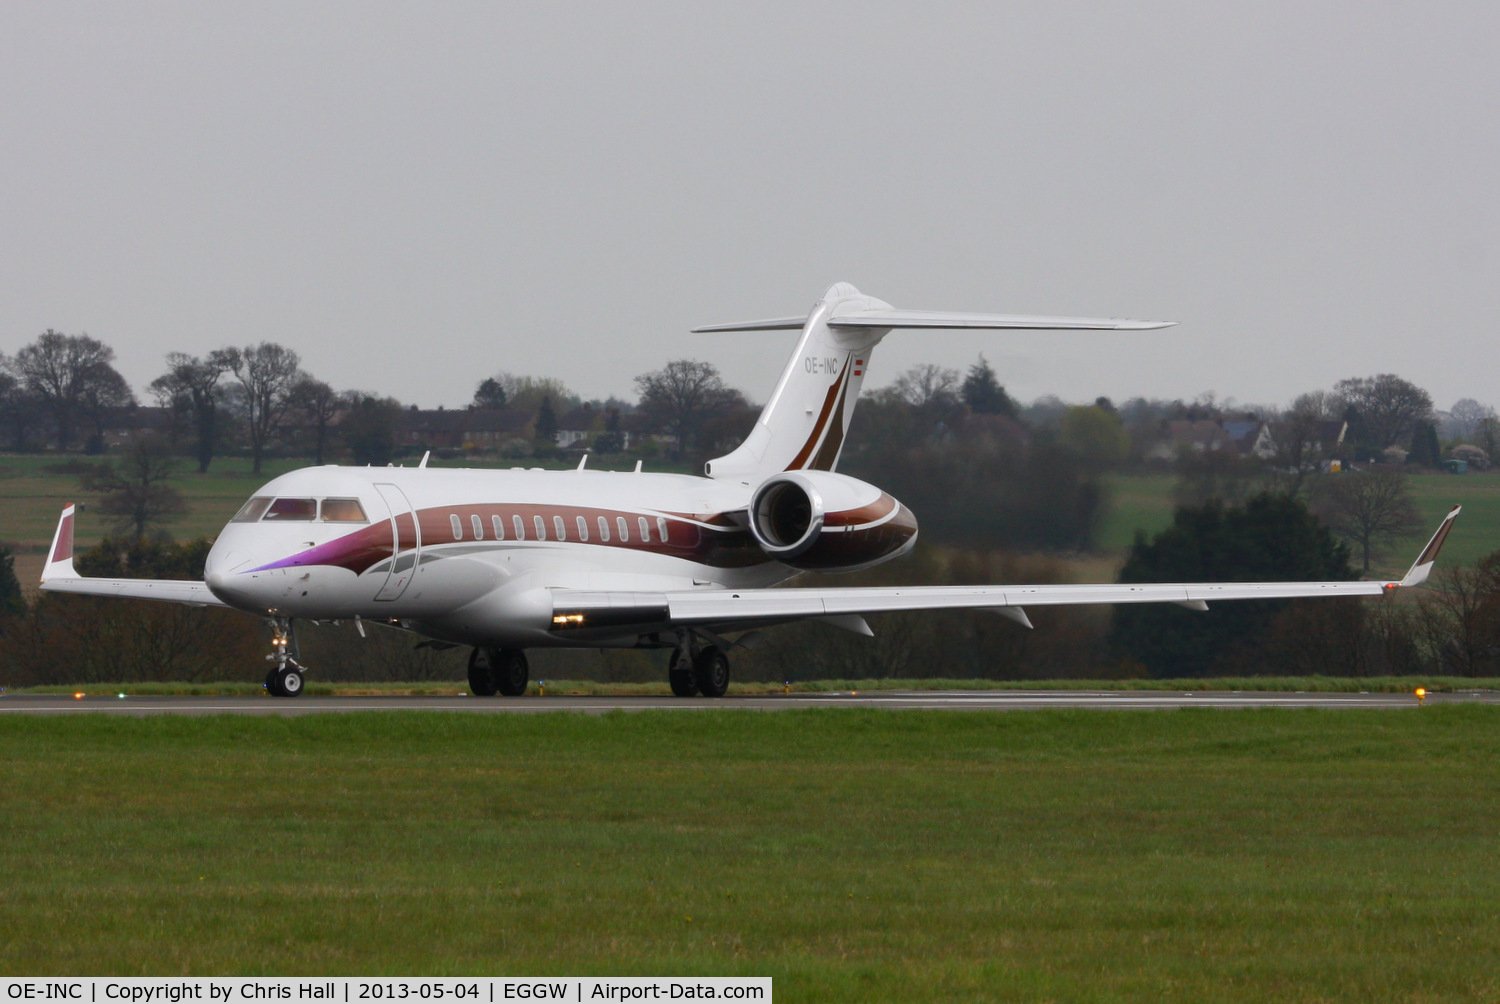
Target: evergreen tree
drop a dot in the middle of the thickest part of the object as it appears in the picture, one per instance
(983, 393)
(546, 422)
(1425, 451)
(1270, 538)
(12, 600)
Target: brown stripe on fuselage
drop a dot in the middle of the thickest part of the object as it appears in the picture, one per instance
(688, 539)
(834, 395)
(828, 453)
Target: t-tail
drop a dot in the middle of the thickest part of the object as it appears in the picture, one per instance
(803, 425)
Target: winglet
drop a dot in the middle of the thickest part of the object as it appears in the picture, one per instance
(1423, 565)
(60, 555)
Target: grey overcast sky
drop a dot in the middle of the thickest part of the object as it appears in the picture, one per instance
(414, 196)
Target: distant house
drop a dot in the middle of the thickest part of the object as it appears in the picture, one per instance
(426, 429)
(120, 425)
(1323, 437)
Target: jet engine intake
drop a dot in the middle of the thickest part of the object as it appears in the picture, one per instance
(827, 522)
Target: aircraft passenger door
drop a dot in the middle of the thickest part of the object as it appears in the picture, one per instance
(406, 540)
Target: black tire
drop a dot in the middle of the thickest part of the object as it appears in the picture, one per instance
(511, 672)
(684, 683)
(285, 682)
(482, 672)
(711, 672)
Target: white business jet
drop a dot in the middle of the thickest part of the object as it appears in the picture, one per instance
(506, 560)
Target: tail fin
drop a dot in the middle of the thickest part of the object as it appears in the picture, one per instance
(802, 426)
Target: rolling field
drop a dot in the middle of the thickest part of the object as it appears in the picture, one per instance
(852, 855)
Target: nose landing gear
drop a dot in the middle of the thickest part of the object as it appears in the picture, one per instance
(285, 678)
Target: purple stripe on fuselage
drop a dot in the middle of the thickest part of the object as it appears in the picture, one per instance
(355, 551)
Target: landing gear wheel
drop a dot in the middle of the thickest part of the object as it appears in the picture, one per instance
(286, 682)
(482, 672)
(680, 675)
(711, 672)
(511, 671)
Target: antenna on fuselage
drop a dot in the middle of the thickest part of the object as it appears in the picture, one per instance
(424, 460)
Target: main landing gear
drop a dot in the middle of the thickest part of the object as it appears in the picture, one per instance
(286, 678)
(698, 670)
(502, 670)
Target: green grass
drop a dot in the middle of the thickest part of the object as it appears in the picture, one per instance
(569, 688)
(851, 855)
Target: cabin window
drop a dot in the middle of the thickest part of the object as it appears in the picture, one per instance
(640, 521)
(604, 529)
(478, 527)
(289, 510)
(498, 527)
(252, 510)
(343, 511)
(661, 529)
(558, 528)
(519, 527)
(583, 528)
(541, 527)
(458, 528)
(624, 529)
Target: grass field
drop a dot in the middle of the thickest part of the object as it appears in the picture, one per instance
(852, 855)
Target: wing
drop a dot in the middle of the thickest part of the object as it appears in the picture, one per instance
(594, 613)
(58, 576)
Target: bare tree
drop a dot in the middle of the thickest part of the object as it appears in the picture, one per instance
(682, 395)
(1387, 407)
(1461, 618)
(1371, 510)
(928, 384)
(135, 490)
(320, 404)
(266, 375)
(192, 384)
(70, 374)
(1464, 418)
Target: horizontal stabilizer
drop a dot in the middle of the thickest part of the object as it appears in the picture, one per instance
(947, 319)
(953, 319)
(771, 324)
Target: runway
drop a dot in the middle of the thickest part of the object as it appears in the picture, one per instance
(893, 700)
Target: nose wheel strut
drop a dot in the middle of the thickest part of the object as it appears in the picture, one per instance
(285, 678)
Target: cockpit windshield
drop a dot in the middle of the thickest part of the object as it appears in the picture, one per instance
(252, 510)
(293, 510)
(290, 510)
(343, 511)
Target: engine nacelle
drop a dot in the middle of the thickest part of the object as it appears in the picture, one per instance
(826, 522)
